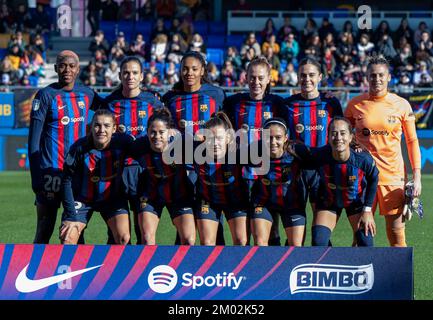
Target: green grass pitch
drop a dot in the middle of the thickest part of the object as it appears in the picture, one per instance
(18, 220)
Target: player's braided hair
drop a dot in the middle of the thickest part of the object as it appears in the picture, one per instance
(262, 61)
(161, 114)
(178, 86)
(377, 59)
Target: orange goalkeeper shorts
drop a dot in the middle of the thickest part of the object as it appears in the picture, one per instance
(390, 200)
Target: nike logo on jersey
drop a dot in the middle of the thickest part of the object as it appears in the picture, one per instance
(26, 285)
(243, 113)
(62, 107)
(180, 110)
(297, 114)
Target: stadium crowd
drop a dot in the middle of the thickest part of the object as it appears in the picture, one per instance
(342, 53)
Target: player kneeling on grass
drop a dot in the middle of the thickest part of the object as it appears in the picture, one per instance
(164, 184)
(348, 180)
(280, 192)
(92, 180)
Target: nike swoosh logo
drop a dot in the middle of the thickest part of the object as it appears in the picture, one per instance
(180, 110)
(26, 285)
(297, 114)
(242, 114)
(293, 220)
(62, 107)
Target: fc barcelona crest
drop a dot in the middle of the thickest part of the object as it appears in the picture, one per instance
(321, 113)
(267, 115)
(203, 107)
(81, 104)
(141, 113)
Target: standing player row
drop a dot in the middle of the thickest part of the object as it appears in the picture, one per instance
(191, 103)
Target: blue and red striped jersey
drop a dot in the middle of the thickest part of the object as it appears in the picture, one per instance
(250, 115)
(342, 183)
(191, 110)
(165, 184)
(307, 120)
(93, 176)
(132, 114)
(282, 187)
(58, 119)
(221, 184)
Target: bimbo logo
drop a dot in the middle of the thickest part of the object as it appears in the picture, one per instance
(162, 279)
(334, 279)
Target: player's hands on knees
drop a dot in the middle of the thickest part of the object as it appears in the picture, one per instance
(70, 231)
(367, 223)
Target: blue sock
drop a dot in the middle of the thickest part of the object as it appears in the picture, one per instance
(362, 240)
(321, 236)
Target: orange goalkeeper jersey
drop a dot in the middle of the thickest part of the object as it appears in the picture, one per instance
(379, 124)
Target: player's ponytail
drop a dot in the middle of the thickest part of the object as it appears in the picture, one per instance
(163, 115)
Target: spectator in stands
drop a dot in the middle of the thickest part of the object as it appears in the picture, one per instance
(213, 72)
(251, 42)
(268, 30)
(271, 42)
(249, 55)
(425, 44)
(290, 49)
(91, 76)
(202, 11)
(197, 43)
(186, 28)
(426, 81)
(117, 54)
(386, 48)
(404, 30)
(138, 46)
(404, 84)
(233, 56)
(422, 70)
(121, 42)
(348, 28)
(364, 45)
(313, 47)
(228, 75)
(242, 5)
(15, 54)
(99, 42)
(32, 63)
(286, 30)
(383, 28)
(41, 19)
(289, 77)
(417, 34)
(6, 18)
(156, 76)
(176, 29)
(275, 63)
(159, 48)
(100, 59)
(146, 11)
(148, 81)
(126, 10)
(22, 19)
(404, 61)
(326, 28)
(38, 43)
(9, 76)
(171, 74)
(17, 39)
(176, 48)
(158, 29)
(352, 75)
(110, 9)
(310, 28)
(111, 74)
(329, 42)
(328, 64)
(93, 11)
(165, 8)
(345, 46)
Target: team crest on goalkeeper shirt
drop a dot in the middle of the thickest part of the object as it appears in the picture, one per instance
(392, 119)
(203, 107)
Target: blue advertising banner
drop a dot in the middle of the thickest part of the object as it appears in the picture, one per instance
(101, 272)
(7, 119)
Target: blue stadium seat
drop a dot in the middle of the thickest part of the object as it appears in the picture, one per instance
(144, 27)
(160, 67)
(109, 29)
(216, 41)
(201, 27)
(217, 27)
(3, 53)
(283, 66)
(33, 81)
(235, 40)
(215, 55)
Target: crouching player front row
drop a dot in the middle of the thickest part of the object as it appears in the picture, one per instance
(92, 181)
(348, 180)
